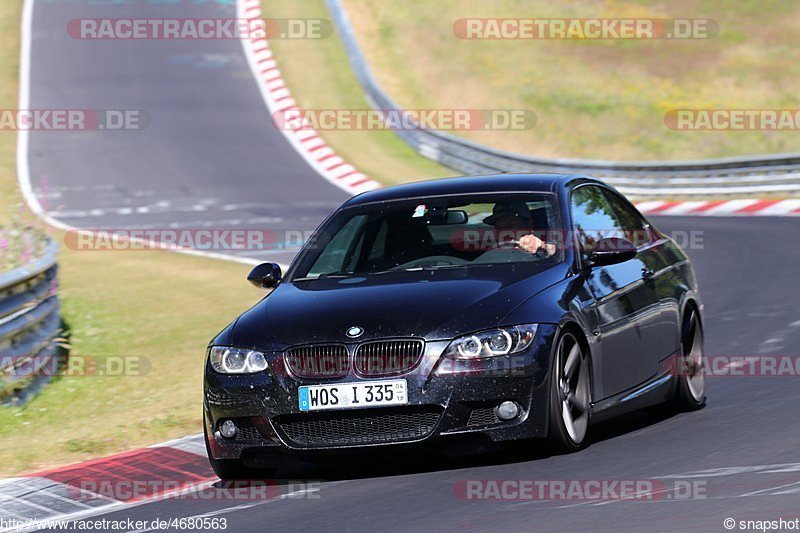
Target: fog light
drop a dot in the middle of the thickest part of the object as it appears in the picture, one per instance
(228, 429)
(507, 410)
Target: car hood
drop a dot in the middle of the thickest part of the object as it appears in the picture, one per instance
(435, 305)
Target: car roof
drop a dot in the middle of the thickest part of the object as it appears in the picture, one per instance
(471, 184)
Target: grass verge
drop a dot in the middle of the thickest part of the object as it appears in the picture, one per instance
(597, 99)
(156, 309)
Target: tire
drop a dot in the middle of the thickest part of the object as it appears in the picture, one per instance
(690, 393)
(233, 469)
(570, 394)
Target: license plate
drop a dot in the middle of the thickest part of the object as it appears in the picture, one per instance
(352, 395)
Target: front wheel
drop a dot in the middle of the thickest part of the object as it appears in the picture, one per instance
(570, 395)
(691, 389)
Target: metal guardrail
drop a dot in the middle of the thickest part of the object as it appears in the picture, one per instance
(774, 174)
(30, 324)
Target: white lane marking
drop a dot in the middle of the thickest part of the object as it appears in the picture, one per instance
(23, 136)
(736, 470)
(795, 490)
(764, 491)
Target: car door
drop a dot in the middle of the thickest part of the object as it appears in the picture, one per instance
(660, 331)
(624, 302)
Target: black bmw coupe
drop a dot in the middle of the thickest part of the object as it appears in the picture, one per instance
(498, 307)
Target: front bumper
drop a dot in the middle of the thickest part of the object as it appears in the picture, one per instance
(446, 400)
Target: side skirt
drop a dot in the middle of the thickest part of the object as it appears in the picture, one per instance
(657, 390)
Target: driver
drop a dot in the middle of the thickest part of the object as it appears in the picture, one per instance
(517, 216)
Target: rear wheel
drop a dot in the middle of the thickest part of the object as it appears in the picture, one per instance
(570, 395)
(691, 390)
(229, 469)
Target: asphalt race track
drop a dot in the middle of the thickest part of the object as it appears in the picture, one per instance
(741, 449)
(210, 157)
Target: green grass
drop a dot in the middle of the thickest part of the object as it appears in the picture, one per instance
(594, 99)
(161, 308)
(9, 66)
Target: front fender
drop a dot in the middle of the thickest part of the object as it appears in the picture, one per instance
(567, 303)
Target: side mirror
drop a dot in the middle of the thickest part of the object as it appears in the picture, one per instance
(265, 275)
(612, 250)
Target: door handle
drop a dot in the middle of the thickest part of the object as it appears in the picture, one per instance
(648, 273)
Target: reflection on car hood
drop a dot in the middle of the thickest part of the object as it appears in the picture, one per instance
(436, 304)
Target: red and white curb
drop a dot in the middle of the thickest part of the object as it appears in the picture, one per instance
(99, 486)
(743, 207)
(277, 97)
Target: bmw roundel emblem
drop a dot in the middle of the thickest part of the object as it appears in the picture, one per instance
(355, 331)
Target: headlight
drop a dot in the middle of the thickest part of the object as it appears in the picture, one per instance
(226, 360)
(492, 343)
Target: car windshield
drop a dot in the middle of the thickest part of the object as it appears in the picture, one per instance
(433, 233)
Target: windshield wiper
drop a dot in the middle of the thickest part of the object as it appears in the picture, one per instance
(324, 276)
(416, 269)
(379, 272)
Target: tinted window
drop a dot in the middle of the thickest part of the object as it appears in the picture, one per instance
(598, 213)
(593, 217)
(635, 226)
(441, 232)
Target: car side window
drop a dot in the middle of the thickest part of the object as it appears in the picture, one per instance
(593, 217)
(636, 228)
